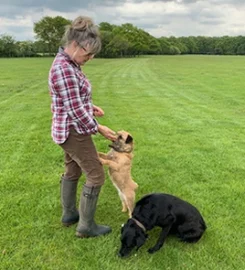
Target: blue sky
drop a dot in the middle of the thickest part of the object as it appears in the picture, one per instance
(159, 18)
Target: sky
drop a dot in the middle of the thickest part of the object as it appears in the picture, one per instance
(159, 18)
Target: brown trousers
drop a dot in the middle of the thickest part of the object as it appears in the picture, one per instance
(81, 157)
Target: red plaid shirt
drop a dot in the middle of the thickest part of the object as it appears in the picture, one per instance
(71, 95)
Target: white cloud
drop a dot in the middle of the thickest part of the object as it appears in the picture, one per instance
(159, 18)
(151, 9)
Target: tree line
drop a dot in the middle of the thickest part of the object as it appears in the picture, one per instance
(124, 40)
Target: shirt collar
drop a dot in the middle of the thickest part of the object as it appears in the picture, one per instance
(68, 58)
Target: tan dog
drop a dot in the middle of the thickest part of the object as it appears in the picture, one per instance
(119, 161)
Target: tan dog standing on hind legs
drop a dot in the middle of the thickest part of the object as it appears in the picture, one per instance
(119, 161)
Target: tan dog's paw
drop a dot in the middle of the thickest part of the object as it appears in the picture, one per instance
(99, 154)
(124, 210)
(102, 155)
(102, 161)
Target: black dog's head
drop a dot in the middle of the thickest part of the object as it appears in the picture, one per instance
(131, 236)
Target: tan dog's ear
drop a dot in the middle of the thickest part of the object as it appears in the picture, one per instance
(129, 139)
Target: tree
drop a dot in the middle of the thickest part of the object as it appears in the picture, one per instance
(119, 41)
(174, 50)
(41, 48)
(241, 49)
(205, 45)
(7, 46)
(154, 46)
(106, 34)
(118, 46)
(165, 45)
(50, 30)
(138, 39)
(105, 26)
(25, 48)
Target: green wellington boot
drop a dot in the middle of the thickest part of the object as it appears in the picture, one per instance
(87, 226)
(70, 213)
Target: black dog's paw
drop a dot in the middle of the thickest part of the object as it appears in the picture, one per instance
(151, 250)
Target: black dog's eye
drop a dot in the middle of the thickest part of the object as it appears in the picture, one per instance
(120, 137)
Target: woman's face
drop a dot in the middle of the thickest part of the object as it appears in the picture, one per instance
(81, 54)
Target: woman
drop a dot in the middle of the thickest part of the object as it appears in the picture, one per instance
(73, 124)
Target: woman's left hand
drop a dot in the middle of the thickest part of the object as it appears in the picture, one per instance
(98, 112)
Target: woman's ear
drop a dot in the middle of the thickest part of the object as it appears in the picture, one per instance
(74, 44)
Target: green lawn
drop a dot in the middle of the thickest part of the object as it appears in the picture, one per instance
(187, 117)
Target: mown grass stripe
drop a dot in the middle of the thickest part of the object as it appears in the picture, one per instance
(186, 114)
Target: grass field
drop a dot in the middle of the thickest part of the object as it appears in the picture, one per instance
(187, 117)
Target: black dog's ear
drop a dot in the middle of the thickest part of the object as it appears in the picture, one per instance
(129, 139)
(140, 240)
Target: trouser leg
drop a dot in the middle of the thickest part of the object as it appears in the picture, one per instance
(82, 151)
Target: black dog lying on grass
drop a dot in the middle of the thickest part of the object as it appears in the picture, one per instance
(172, 214)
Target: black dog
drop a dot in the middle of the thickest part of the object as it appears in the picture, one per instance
(172, 214)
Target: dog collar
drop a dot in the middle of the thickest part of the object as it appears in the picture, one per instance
(120, 151)
(123, 151)
(139, 224)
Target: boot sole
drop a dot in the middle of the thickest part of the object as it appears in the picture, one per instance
(69, 224)
(70, 221)
(80, 235)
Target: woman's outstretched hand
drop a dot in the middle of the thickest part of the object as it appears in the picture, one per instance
(107, 133)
